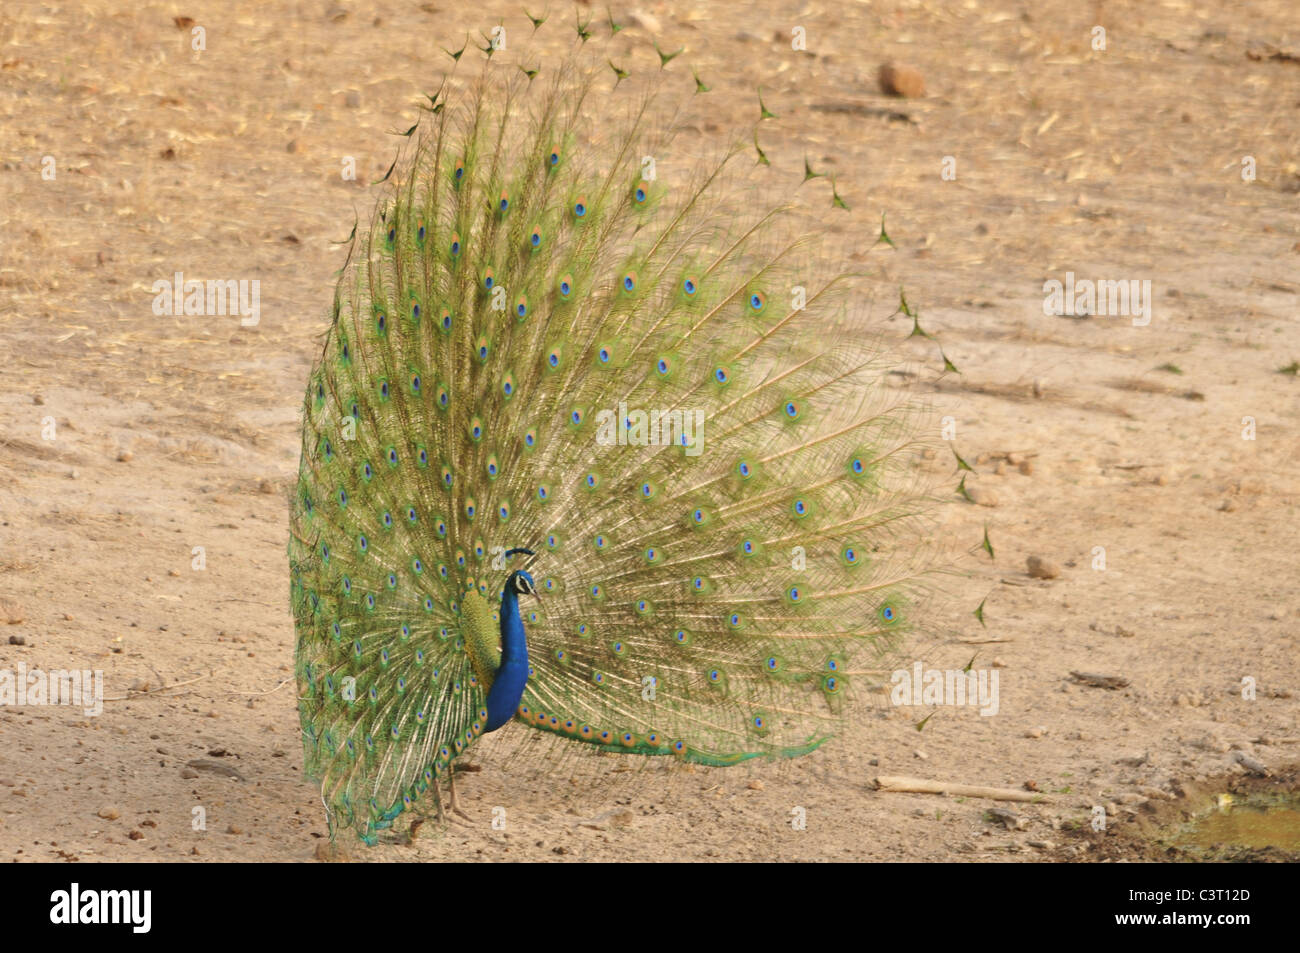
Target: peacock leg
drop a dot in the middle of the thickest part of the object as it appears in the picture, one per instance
(455, 807)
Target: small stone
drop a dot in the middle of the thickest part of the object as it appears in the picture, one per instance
(1111, 808)
(1042, 568)
(125, 456)
(17, 640)
(1161, 480)
(109, 813)
(352, 99)
(1040, 844)
(920, 755)
(38, 400)
(266, 487)
(232, 829)
(189, 773)
(1228, 506)
(11, 612)
(1040, 387)
(646, 21)
(1036, 732)
(292, 146)
(1027, 467)
(136, 835)
(1000, 469)
(897, 79)
(756, 785)
(998, 663)
(982, 496)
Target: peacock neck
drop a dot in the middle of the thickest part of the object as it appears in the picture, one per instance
(512, 673)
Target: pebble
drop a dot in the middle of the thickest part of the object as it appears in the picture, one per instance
(17, 640)
(982, 496)
(189, 773)
(897, 79)
(918, 753)
(125, 456)
(11, 612)
(756, 785)
(1036, 732)
(232, 829)
(1027, 467)
(1042, 568)
(136, 835)
(109, 813)
(646, 21)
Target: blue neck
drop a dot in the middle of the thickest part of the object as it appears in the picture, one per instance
(512, 674)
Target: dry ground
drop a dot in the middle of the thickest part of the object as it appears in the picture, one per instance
(179, 432)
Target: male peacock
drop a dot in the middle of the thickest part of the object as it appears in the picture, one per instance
(548, 353)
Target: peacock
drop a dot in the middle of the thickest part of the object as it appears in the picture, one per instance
(593, 448)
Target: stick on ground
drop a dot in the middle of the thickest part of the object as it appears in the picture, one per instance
(924, 786)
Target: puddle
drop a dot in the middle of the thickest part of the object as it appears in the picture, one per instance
(1253, 820)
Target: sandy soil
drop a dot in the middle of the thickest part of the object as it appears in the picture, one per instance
(172, 433)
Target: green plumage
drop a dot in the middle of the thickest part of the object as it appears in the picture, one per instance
(546, 341)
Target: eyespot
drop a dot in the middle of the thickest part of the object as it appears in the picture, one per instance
(689, 287)
(757, 301)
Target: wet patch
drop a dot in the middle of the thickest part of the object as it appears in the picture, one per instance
(1229, 818)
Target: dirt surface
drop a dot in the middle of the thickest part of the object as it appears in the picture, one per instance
(172, 433)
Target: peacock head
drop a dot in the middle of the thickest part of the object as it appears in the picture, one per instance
(519, 582)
